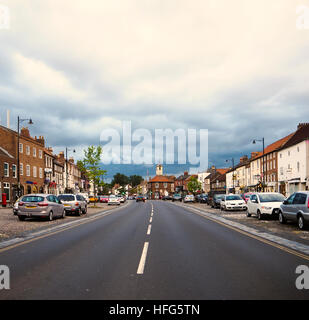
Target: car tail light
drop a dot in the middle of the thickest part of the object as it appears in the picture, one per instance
(43, 204)
(21, 203)
(77, 204)
(308, 202)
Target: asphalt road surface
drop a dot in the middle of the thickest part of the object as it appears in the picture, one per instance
(180, 256)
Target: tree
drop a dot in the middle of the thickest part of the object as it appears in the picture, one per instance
(194, 185)
(135, 180)
(91, 165)
(120, 179)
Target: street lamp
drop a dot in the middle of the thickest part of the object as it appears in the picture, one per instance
(232, 160)
(263, 141)
(66, 165)
(19, 121)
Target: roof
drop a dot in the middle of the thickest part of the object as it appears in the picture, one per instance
(223, 171)
(161, 179)
(300, 135)
(277, 144)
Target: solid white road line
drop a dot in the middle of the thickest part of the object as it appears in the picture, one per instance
(142, 262)
(149, 230)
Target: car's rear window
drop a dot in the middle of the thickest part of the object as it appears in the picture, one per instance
(32, 199)
(271, 197)
(66, 198)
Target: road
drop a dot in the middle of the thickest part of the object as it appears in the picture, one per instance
(181, 256)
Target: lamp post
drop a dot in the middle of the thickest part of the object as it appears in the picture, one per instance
(232, 160)
(19, 121)
(263, 171)
(66, 166)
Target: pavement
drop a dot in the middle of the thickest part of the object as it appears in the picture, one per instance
(11, 227)
(151, 251)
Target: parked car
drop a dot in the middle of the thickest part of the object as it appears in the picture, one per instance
(246, 196)
(74, 204)
(167, 198)
(263, 204)
(296, 209)
(93, 199)
(188, 198)
(40, 205)
(103, 199)
(86, 196)
(121, 198)
(203, 198)
(140, 198)
(216, 200)
(233, 202)
(113, 200)
(177, 197)
(15, 206)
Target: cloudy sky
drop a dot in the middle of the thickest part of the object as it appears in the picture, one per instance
(237, 68)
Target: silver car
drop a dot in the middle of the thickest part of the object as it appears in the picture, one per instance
(296, 209)
(40, 205)
(76, 204)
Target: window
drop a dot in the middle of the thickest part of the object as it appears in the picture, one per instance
(34, 152)
(21, 148)
(21, 168)
(14, 170)
(34, 172)
(298, 166)
(289, 153)
(6, 170)
(28, 170)
(297, 149)
(41, 173)
(27, 150)
(40, 154)
(274, 166)
(300, 198)
(157, 185)
(291, 198)
(165, 185)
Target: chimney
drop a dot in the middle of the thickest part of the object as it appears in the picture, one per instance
(185, 173)
(243, 159)
(8, 118)
(254, 154)
(302, 125)
(25, 132)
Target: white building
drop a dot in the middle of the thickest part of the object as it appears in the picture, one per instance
(293, 162)
(201, 178)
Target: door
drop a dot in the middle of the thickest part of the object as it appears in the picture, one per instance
(287, 207)
(299, 204)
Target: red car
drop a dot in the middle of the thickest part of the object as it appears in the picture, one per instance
(246, 196)
(104, 199)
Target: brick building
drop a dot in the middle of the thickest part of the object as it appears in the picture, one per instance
(8, 175)
(31, 155)
(160, 186)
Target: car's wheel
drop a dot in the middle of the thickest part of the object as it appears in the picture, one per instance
(21, 218)
(63, 214)
(281, 218)
(51, 216)
(85, 210)
(301, 222)
(260, 216)
(79, 212)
